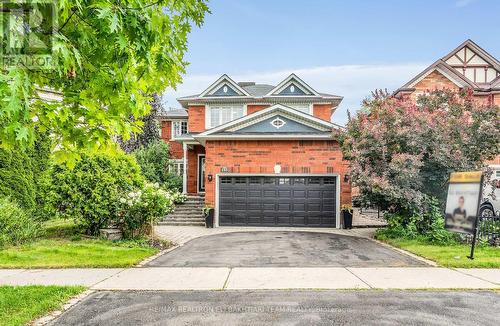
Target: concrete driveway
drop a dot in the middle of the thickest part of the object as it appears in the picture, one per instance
(285, 308)
(283, 249)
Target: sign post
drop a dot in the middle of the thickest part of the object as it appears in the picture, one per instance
(462, 204)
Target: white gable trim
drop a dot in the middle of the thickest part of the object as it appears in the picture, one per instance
(219, 82)
(442, 73)
(257, 117)
(300, 83)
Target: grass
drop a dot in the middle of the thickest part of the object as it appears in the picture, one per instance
(454, 255)
(63, 247)
(21, 304)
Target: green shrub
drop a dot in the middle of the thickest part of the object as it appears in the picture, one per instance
(138, 209)
(22, 171)
(154, 162)
(89, 192)
(16, 226)
(426, 224)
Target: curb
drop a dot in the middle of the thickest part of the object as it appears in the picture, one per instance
(160, 253)
(55, 314)
(422, 259)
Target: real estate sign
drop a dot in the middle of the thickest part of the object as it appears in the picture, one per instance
(462, 202)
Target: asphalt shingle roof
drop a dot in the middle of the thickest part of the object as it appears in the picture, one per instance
(173, 113)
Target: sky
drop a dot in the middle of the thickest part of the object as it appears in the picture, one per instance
(341, 47)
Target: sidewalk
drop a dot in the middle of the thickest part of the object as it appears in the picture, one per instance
(221, 278)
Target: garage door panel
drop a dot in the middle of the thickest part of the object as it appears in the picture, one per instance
(299, 193)
(270, 193)
(277, 201)
(283, 220)
(284, 193)
(299, 207)
(254, 193)
(254, 206)
(313, 194)
(268, 207)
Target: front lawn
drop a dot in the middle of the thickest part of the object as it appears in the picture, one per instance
(21, 304)
(450, 255)
(63, 247)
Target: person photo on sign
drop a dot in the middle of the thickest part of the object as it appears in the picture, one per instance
(460, 214)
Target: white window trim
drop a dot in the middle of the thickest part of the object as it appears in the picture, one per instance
(208, 116)
(176, 163)
(173, 136)
(310, 112)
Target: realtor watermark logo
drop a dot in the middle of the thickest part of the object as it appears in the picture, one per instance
(27, 33)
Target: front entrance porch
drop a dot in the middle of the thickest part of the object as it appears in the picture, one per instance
(193, 178)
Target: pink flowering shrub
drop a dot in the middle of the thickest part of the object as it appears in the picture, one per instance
(402, 152)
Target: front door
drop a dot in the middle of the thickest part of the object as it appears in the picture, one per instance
(201, 173)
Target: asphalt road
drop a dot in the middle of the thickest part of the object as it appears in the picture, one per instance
(286, 308)
(283, 249)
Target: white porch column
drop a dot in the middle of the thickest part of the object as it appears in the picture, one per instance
(184, 173)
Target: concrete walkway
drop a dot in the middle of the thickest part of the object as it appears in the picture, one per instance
(222, 278)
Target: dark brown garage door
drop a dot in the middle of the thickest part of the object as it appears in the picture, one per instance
(277, 201)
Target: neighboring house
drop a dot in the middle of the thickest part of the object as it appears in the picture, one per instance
(260, 154)
(468, 66)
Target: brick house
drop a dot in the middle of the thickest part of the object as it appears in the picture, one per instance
(261, 155)
(467, 66)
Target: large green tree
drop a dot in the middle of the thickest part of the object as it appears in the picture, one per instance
(107, 57)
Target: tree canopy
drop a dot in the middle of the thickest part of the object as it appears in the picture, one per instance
(402, 151)
(108, 57)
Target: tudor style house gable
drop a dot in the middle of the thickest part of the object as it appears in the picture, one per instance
(260, 154)
(467, 66)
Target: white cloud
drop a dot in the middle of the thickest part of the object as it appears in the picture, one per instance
(353, 82)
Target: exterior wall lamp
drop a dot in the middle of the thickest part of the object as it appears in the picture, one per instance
(210, 178)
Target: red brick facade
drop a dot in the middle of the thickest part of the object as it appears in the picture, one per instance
(175, 148)
(322, 111)
(254, 108)
(260, 156)
(196, 118)
(433, 81)
(192, 171)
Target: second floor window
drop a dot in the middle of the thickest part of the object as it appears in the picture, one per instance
(220, 115)
(179, 128)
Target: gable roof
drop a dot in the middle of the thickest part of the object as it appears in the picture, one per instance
(451, 64)
(478, 50)
(251, 92)
(172, 113)
(224, 80)
(444, 69)
(230, 129)
(295, 80)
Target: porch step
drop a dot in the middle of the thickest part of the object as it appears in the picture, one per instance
(188, 211)
(193, 222)
(181, 215)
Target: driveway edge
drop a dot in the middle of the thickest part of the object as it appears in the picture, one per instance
(158, 254)
(57, 313)
(420, 258)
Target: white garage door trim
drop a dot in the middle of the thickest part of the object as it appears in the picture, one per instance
(337, 195)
